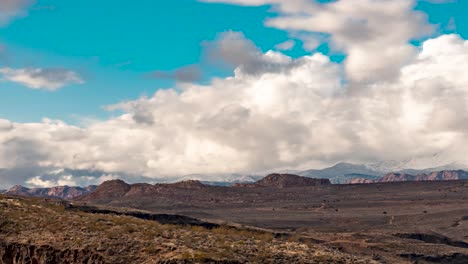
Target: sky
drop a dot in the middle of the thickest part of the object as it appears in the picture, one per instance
(163, 89)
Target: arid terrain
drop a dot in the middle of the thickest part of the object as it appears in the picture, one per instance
(392, 222)
(35, 230)
(280, 219)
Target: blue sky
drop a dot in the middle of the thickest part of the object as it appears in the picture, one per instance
(165, 89)
(114, 47)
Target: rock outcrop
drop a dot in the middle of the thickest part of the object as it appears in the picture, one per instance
(189, 184)
(110, 189)
(15, 253)
(360, 181)
(276, 180)
(434, 176)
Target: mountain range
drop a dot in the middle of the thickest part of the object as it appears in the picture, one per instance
(341, 173)
(65, 192)
(432, 176)
(277, 180)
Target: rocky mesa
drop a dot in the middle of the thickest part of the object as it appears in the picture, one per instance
(277, 180)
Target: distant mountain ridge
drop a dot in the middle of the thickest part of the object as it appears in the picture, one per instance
(343, 172)
(340, 173)
(64, 192)
(277, 180)
(117, 190)
(444, 175)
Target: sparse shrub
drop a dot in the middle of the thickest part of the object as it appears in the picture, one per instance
(151, 250)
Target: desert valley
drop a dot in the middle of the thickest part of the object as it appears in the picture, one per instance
(288, 218)
(234, 132)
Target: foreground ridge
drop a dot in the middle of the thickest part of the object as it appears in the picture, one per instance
(48, 233)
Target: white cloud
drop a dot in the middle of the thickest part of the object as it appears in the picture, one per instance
(52, 180)
(287, 45)
(310, 42)
(294, 113)
(10, 9)
(41, 78)
(190, 73)
(40, 183)
(375, 35)
(5, 125)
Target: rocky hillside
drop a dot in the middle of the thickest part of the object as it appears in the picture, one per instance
(433, 176)
(64, 192)
(115, 189)
(276, 180)
(35, 231)
(117, 192)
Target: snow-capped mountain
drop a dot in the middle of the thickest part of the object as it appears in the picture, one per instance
(345, 172)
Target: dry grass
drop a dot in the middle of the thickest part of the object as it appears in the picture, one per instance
(125, 239)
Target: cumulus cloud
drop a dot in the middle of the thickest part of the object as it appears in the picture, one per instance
(375, 35)
(287, 45)
(187, 74)
(234, 50)
(41, 78)
(50, 180)
(10, 9)
(5, 125)
(389, 100)
(293, 114)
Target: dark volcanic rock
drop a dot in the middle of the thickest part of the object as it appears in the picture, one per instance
(434, 239)
(286, 181)
(456, 258)
(166, 219)
(23, 254)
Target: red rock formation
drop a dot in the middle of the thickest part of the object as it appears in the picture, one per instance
(360, 181)
(110, 189)
(189, 184)
(434, 176)
(285, 181)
